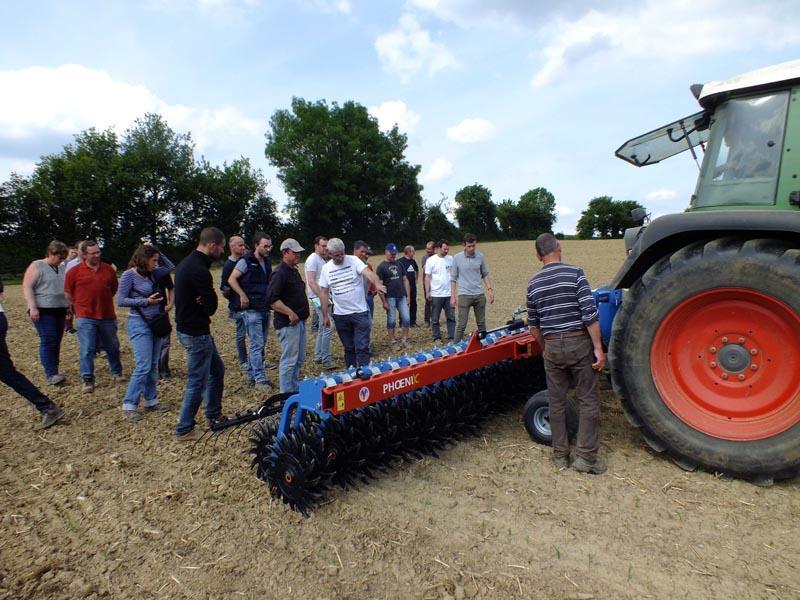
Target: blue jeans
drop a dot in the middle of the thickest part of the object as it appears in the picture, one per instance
(89, 330)
(146, 354)
(237, 316)
(322, 349)
(256, 322)
(50, 328)
(353, 332)
(401, 305)
(293, 353)
(16, 380)
(205, 378)
(437, 304)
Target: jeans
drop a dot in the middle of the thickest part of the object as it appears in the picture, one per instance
(437, 304)
(237, 317)
(50, 328)
(353, 332)
(205, 379)
(478, 303)
(146, 354)
(401, 305)
(16, 380)
(293, 353)
(371, 306)
(163, 360)
(88, 332)
(322, 348)
(569, 361)
(257, 323)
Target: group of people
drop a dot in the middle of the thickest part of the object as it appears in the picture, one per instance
(339, 289)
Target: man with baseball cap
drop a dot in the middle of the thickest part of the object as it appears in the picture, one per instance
(396, 296)
(286, 295)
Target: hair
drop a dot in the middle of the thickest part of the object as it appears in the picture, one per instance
(211, 235)
(430, 242)
(335, 245)
(357, 245)
(440, 243)
(258, 236)
(235, 237)
(56, 247)
(141, 256)
(86, 244)
(319, 239)
(545, 244)
(470, 238)
(407, 248)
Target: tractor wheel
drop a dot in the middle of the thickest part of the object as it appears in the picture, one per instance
(705, 356)
(536, 416)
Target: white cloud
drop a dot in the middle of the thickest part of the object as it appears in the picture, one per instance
(395, 112)
(471, 130)
(440, 170)
(564, 211)
(409, 49)
(661, 195)
(328, 6)
(54, 103)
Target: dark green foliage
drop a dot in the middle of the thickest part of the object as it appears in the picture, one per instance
(437, 226)
(606, 218)
(475, 212)
(535, 213)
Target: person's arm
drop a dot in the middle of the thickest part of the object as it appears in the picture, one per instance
(124, 298)
(407, 287)
(207, 297)
(489, 289)
(279, 306)
(597, 342)
(373, 278)
(29, 280)
(233, 281)
(311, 277)
(324, 303)
(537, 335)
(69, 285)
(170, 299)
(453, 293)
(113, 282)
(427, 285)
(165, 262)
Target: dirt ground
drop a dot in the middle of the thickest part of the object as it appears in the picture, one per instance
(98, 507)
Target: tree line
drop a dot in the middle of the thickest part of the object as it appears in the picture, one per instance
(342, 174)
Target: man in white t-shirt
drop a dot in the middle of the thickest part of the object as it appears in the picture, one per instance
(437, 289)
(314, 264)
(341, 281)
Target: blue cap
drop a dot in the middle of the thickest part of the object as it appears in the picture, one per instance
(391, 248)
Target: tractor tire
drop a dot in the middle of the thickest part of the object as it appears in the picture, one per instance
(705, 354)
(536, 416)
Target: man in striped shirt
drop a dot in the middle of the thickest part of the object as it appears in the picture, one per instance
(563, 319)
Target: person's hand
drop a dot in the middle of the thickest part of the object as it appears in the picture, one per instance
(326, 321)
(452, 302)
(167, 307)
(154, 298)
(428, 296)
(33, 313)
(386, 306)
(244, 302)
(490, 294)
(380, 288)
(600, 361)
(293, 318)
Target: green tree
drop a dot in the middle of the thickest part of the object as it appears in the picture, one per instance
(437, 226)
(606, 218)
(534, 213)
(475, 211)
(342, 174)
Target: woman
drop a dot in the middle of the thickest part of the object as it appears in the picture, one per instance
(43, 288)
(139, 292)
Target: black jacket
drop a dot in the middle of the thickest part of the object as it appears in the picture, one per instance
(195, 297)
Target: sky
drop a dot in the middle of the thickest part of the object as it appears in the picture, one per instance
(510, 94)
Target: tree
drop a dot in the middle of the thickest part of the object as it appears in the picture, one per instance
(342, 174)
(535, 213)
(437, 226)
(606, 218)
(475, 211)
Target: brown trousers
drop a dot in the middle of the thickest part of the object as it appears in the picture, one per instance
(568, 363)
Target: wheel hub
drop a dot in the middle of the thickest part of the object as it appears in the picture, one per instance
(734, 358)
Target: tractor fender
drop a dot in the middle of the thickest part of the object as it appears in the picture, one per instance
(667, 234)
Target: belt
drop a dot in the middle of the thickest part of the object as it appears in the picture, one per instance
(566, 334)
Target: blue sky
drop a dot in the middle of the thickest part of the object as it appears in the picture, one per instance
(511, 94)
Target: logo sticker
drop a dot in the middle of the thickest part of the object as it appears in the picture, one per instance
(339, 400)
(363, 394)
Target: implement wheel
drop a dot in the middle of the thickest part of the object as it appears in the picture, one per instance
(536, 416)
(705, 353)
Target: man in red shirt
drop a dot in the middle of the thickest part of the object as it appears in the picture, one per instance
(90, 288)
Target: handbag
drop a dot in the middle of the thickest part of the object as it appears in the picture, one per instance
(159, 325)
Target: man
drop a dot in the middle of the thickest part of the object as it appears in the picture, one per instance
(430, 249)
(411, 270)
(249, 280)
(362, 251)
(437, 290)
(195, 303)
(396, 296)
(286, 295)
(563, 319)
(340, 281)
(314, 264)
(238, 250)
(90, 289)
(466, 289)
(9, 375)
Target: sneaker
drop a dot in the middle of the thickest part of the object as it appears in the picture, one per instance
(244, 367)
(211, 423)
(394, 343)
(56, 379)
(156, 408)
(268, 364)
(191, 436)
(131, 415)
(329, 365)
(117, 377)
(582, 465)
(561, 462)
(263, 387)
(50, 417)
(87, 387)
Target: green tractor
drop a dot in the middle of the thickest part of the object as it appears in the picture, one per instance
(705, 348)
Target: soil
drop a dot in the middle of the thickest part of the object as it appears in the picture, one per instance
(99, 507)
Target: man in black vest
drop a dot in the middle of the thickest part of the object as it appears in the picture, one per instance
(249, 281)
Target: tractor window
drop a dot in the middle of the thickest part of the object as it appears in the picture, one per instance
(741, 165)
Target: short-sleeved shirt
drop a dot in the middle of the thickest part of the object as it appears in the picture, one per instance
(439, 269)
(314, 264)
(92, 291)
(392, 276)
(560, 299)
(468, 273)
(287, 286)
(345, 285)
(409, 266)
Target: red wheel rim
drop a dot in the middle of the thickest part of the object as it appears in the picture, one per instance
(726, 362)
